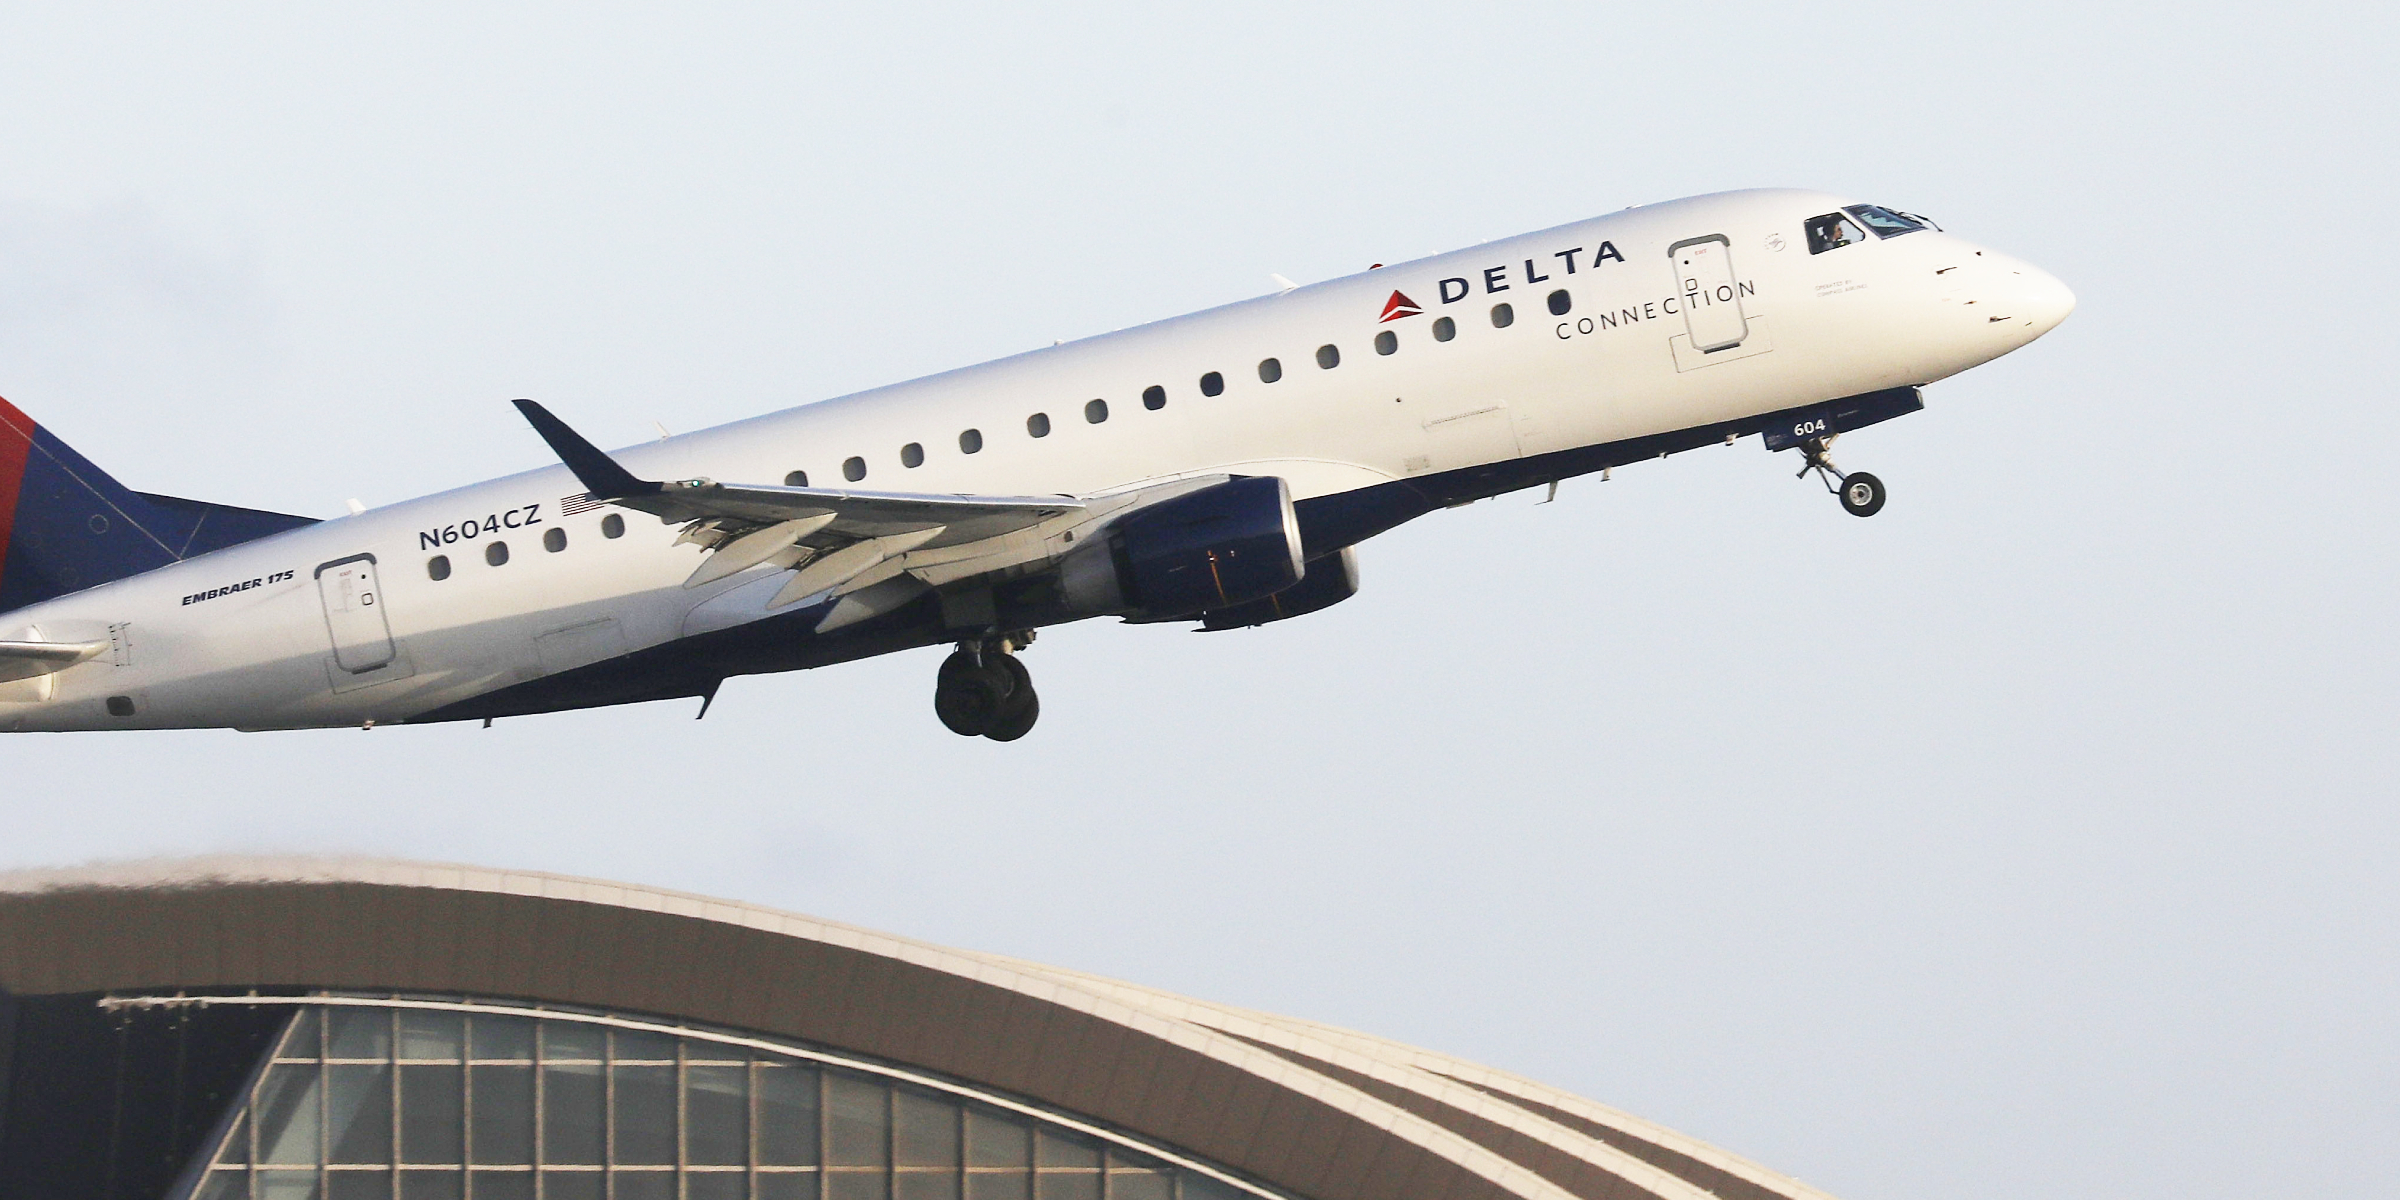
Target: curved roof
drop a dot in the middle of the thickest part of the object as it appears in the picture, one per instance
(1311, 1110)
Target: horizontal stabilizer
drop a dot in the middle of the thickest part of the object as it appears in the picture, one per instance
(25, 660)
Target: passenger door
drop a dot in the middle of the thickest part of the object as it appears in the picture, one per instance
(362, 638)
(1709, 292)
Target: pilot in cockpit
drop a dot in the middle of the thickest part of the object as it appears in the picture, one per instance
(1831, 232)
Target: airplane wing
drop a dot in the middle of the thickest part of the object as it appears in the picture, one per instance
(831, 537)
(854, 514)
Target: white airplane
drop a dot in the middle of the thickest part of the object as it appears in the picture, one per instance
(1217, 468)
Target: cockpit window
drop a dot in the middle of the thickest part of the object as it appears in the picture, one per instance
(1832, 232)
(1885, 222)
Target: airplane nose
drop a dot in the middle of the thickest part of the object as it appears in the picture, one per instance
(2011, 298)
(2044, 300)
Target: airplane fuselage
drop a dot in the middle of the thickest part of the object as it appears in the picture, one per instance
(523, 594)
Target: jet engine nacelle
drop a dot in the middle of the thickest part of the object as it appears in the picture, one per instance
(1216, 548)
(1329, 581)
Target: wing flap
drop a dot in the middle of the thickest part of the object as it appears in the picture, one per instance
(751, 549)
(854, 566)
(855, 515)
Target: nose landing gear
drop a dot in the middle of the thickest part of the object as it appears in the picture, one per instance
(983, 690)
(1861, 494)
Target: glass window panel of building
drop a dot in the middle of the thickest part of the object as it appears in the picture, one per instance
(368, 1102)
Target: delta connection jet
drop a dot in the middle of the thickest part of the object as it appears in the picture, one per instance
(1217, 468)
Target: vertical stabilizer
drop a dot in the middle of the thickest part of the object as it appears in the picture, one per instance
(65, 525)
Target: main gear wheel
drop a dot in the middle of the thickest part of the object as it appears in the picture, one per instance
(982, 690)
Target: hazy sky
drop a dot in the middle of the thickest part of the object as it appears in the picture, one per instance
(2036, 837)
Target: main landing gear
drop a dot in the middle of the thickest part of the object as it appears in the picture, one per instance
(983, 689)
(1861, 494)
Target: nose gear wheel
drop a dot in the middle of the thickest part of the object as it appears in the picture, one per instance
(1861, 494)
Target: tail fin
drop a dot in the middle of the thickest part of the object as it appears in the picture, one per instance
(65, 525)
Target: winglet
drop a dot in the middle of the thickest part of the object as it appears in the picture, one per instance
(599, 474)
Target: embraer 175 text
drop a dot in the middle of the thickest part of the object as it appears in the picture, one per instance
(1216, 468)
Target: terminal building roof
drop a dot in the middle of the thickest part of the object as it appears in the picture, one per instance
(1282, 1107)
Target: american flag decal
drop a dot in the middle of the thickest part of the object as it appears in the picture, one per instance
(579, 504)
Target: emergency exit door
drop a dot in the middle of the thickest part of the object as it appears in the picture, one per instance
(1710, 295)
(362, 638)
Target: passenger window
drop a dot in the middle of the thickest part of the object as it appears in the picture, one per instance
(1560, 302)
(1038, 424)
(1212, 384)
(496, 553)
(438, 567)
(1154, 397)
(912, 455)
(1444, 329)
(554, 539)
(796, 479)
(612, 526)
(854, 468)
(1096, 411)
(970, 441)
(1387, 341)
(1270, 370)
(1328, 357)
(1832, 232)
(1503, 316)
